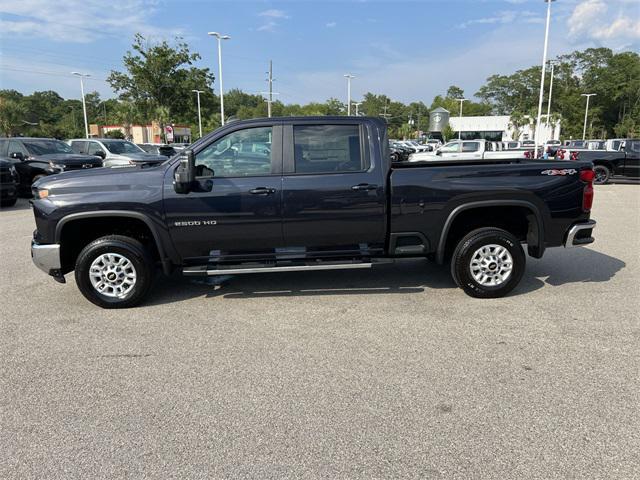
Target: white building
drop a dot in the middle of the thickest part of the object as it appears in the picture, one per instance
(500, 128)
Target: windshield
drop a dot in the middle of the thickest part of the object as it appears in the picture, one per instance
(121, 146)
(45, 147)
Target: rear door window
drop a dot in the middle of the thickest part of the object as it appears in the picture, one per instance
(327, 149)
(470, 146)
(79, 147)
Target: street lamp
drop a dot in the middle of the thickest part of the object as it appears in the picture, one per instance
(544, 70)
(84, 105)
(220, 38)
(348, 76)
(198, 92)
(586, 112)
(461, 100)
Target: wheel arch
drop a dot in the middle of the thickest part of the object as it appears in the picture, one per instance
(73, 218)
(535, 234)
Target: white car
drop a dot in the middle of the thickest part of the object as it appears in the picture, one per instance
(468, 150)
(115, 152)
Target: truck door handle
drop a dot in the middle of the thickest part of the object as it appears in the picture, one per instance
(262, 191)
(364, 186)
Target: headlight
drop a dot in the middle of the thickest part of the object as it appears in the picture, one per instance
(13, 172)
(56, 165)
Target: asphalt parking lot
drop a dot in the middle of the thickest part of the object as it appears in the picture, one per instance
(357, 374)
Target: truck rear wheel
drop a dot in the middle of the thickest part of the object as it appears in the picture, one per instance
(602, 174)
(488, 263)
(114, 272)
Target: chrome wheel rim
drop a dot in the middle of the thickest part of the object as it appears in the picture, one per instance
(113, 275)
(491, 265)
(600, 175)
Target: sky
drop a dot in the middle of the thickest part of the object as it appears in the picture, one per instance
(409, 50)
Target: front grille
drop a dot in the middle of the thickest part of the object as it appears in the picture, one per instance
(80, 166)
(5, 177)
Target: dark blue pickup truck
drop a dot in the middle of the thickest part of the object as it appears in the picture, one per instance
(311, 193)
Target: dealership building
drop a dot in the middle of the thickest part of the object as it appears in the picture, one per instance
(495, 128)
(145, 133)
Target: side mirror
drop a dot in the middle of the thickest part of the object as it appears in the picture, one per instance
(438, 152)
(101, 154)
(17, 155)
(185, 174)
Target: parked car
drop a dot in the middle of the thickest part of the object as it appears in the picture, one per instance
(158, 149)
(325, 197)
(35, 158)
(468, 150)
(404, 152)
(434, 143)
(8, 184)
(608, 164)
(115, 152)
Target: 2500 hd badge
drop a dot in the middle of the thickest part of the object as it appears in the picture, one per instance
(195, 223)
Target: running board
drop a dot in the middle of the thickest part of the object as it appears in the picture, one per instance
(292, 268)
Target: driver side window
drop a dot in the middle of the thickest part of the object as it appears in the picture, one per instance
(450, 148)
(242, 153)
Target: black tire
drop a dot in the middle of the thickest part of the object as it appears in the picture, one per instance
(602, 174)
(461, 269)
(8, 202)
(133, 251)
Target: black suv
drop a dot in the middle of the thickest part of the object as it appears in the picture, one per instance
(8, 184)
(35, 158)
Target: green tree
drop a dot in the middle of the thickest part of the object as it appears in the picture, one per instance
(12, 114)
(159, 78)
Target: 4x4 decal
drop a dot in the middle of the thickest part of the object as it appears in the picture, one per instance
(564, 171)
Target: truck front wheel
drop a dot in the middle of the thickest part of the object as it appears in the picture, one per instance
(114, 271)
(488, 263)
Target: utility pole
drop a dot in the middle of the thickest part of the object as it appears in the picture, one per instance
(385, 115)
(270, 80)
(220, 38)
(544, 67)
(586, 113)
(84, 104)
(198, 92)
(348, 76)
(461, 100)
(104, 110)
(357, 104)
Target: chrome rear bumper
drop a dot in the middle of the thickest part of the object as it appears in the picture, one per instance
(46, 257)
(578, 235)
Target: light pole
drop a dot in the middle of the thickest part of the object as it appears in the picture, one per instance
(550, 92)
(461, 100)
(544, 70)
(220, 38)
(357, 104)
(586, 113)
(198, 92)
(84, 104)
(348, 76)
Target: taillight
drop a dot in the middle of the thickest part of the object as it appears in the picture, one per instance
(587, 194)
(574, 155)
(560, 154)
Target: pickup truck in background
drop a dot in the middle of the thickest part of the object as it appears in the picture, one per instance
(468, 150)
(621, 162)
(323, 195)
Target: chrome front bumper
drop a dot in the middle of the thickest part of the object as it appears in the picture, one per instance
(578, 236)
(46, 257)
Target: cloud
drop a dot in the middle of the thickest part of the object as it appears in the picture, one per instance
(79, 21)
(331, 24)
(505, 17)
(273, 13)
(593, 19)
